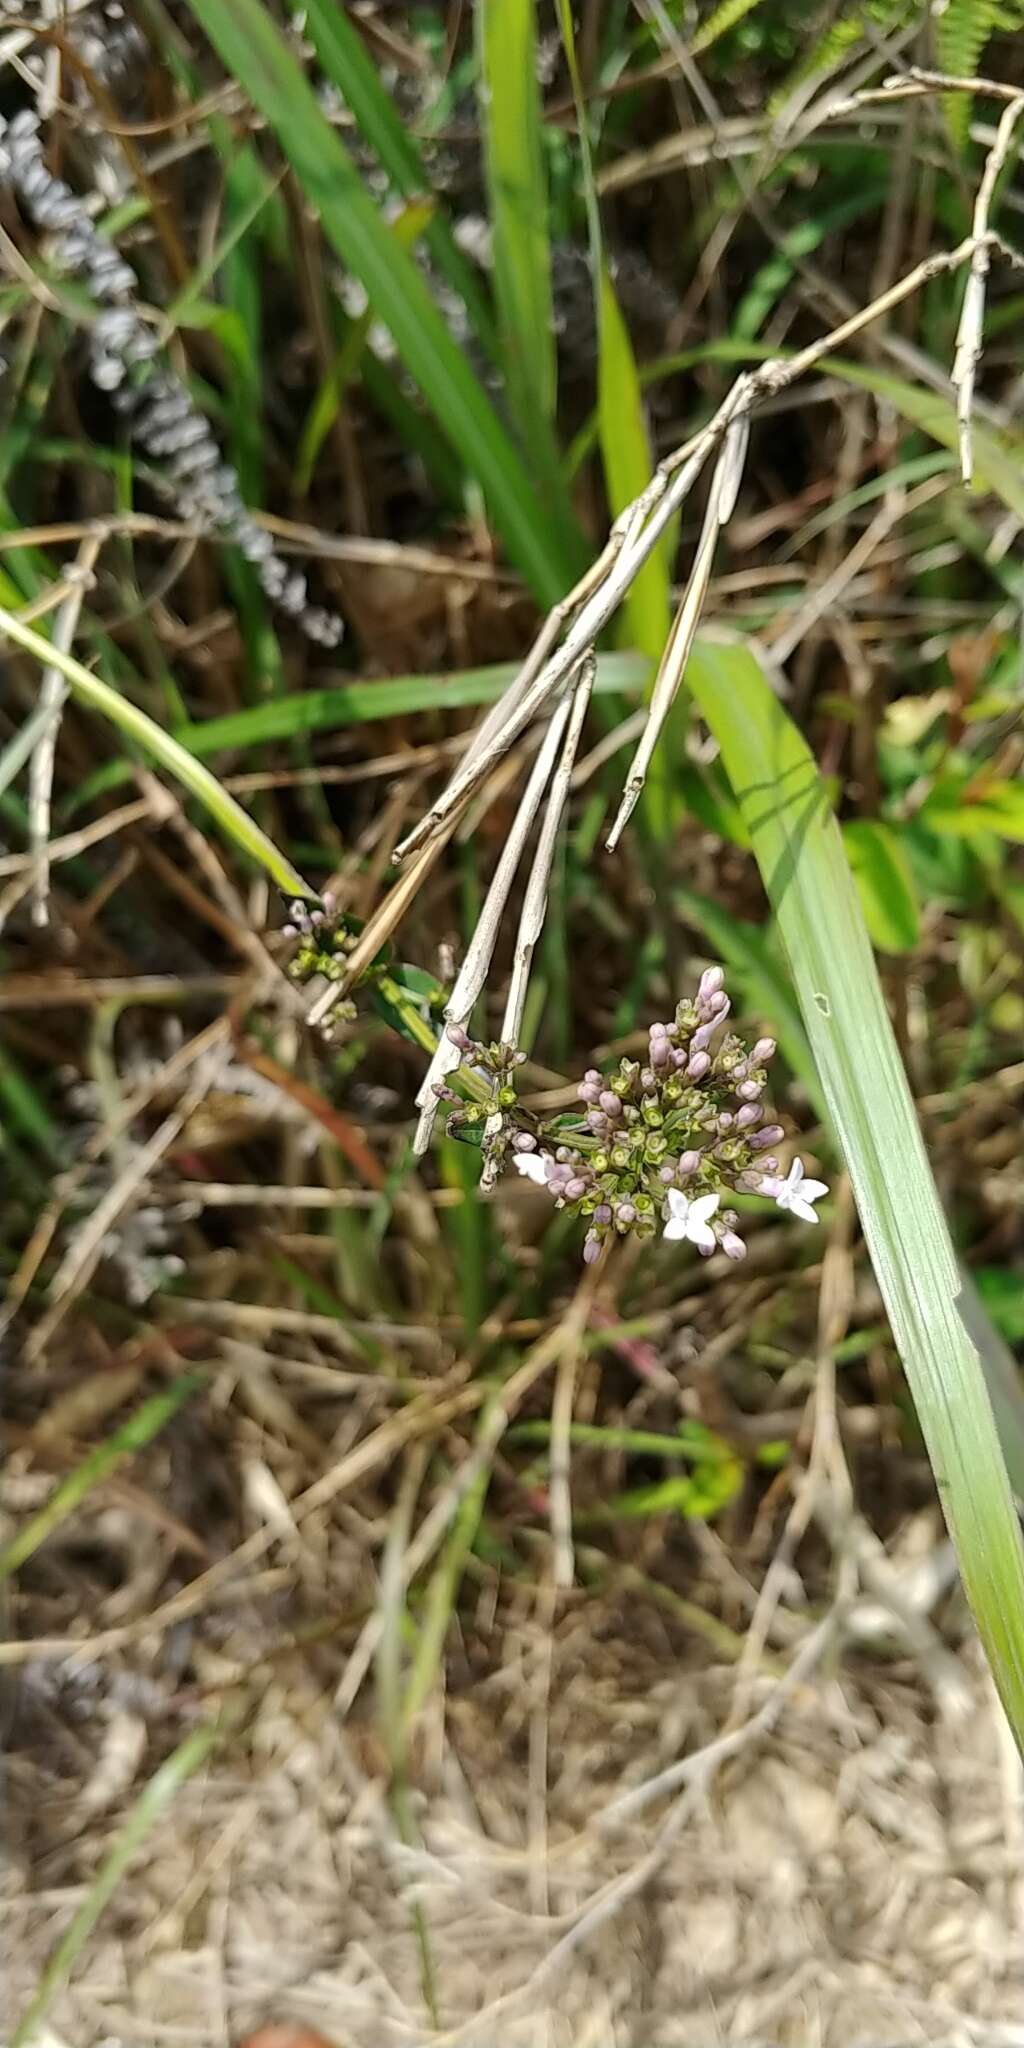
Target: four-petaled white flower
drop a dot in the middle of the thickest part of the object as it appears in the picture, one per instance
(535, 1166)
(690, 1219)
(799, 1195)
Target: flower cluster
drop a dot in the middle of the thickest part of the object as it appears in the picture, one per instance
(324, 944)
(659, 1142)
(164, 420)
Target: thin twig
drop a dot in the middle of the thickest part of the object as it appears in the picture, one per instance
(531, 921)
(52, 692)
(972, 313)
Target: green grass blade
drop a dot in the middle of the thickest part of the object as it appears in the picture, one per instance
(137, 725)
(347, 62)
(307, 711)
(153, 1801)
(622, 431)
(139, 1430)
(806, 875)
(252, 47)
(514, 164)
(628, 462)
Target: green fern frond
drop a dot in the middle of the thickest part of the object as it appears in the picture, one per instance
(962, 32)
(842, 38)
(724, 17)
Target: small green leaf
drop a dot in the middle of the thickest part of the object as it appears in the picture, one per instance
(982, 808)
(888, 893)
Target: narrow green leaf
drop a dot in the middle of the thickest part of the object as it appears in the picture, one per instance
(250, 44)
(805, 872)
(137, 725)
(153, 1801)
(514, 164)
(625, 447)
(139, 1430)
(888, 892)
(307, 711)
(328, 401)
(628, 463)
(998, 452)
(347, 62)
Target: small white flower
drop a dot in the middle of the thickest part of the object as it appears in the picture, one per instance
(690, 1219)
(535, 1166)
(799, 1195)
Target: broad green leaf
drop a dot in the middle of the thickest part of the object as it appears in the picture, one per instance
(807, 878)
(514, 165)
(252, 47)
(977, 809)
(138, 726)
(885, 883)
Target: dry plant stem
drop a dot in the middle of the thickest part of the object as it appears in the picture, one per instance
(721, 504)
(83, 1254)
(480, 951)
(405, 891)
(641, 526)
(826, 1467)
(972, 315)
(42, 1237)
(917, 83)
(696, 1773)
(52, 692)
(535, 902)
(557, 1344)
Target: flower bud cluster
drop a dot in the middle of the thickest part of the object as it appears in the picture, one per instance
(661, 1140)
